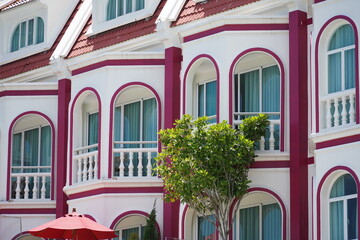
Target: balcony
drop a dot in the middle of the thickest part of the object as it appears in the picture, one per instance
(271, 140)
(85, 159)
(339, 109)
(134, 159)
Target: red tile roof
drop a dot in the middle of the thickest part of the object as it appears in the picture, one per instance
(193, 11)
(14, 4)
(37, 60)
(85, 44)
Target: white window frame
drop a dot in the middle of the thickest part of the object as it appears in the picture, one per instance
(35, 29)
(23, 148)
(197, 98)
(86, 140)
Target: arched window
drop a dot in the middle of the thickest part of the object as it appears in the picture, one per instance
(341, 60)
(28, 33)
(31, 159)
(343, 209)
(116, 8)
(131, 227)
(28, 237)
(205, 229)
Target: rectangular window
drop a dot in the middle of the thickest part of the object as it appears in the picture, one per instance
(206, 230)
(93, 138)
(206, 97)
(31, 32)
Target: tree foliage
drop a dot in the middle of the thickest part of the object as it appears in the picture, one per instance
(151, 232)
(206, 166)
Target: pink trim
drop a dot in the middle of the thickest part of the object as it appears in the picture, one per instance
(29, 93)
(352, 23)
(118, 62)
(270, 164)
(28, 211)
(298, 90)
(22, 234)
(318, 1)
(90, 217)
(282, 88)
(112, 108)
(311, 160)
(72, 129)
(237, 27)
(318, 196)
(116, 190)
(273, 194)
(62, 143)
(339, 141)
(10, 148)
(204, 56)
(133, 212)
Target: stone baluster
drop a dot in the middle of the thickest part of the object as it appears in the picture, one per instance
(352, 109)
(79, 162)
(328, 114)
(84, 172)
(26, 188)
(262, 143)
(140, 165)
(95, 166)
(43, 189)
(91, 169)
(149, 166)
(121, 166)
(343, 112)
(272, 139)
(17, 190)
(35, 188)
(336, 112)
(131, 164)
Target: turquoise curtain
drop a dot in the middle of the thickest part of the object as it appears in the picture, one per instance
(40, 30)
(150, 121)
(249, 223)
(271, 90)
(129, 8)
(249, 92)
(206, 230)
(93, 123)
(31, 32)
(132, 131)
(352, 218)
(201, 100)
(271, 222)
(120, 8)
(45, 148)
(140, 4)
(344, 185)
(350, 69)
(117, 124)
(31, 149)
(15, 39)
(23, 34)
(111, 10)
(336, 220)
(342, 37)
(334, 72)
(211, 100)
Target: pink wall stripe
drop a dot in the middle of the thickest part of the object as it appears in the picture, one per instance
(28, 93)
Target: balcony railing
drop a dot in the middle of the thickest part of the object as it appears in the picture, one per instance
(86, 163)
(134, 159)
(339, 108)
(30, 185)
(271, 140)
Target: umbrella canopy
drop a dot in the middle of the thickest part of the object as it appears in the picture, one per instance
(73, 226)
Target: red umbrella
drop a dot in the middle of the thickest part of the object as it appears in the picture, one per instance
(73, 226)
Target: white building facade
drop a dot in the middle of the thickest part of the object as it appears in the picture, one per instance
(84, 93)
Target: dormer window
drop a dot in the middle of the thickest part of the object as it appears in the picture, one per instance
(28, 33)
(116, 8)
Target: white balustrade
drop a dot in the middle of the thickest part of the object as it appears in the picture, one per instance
(339, 108)
(86, 162)
(270, 142)
(134, 162)
(26, 186)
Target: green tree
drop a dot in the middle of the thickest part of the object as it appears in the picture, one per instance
(206, 166)
(151, 232)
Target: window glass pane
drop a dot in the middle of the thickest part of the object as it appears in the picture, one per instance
(120, 8)
(344, 185)
(350, 69)
(22, 34)
(111, 10)
(336, 220)
(129, 7)
(140, 4)
(334, 73)
(45, 148)
(271, 222)
(117, 124)
(40, 32)
(150, 121)
(249, 223)
(15, 39)
(343, 36)
(352, 218)
(211, 100)
(201, 99)
(31, 32)
(249, 92)
(130, 233)
(16, 151)
(271, 90)
(206, 230)
(31, 148)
